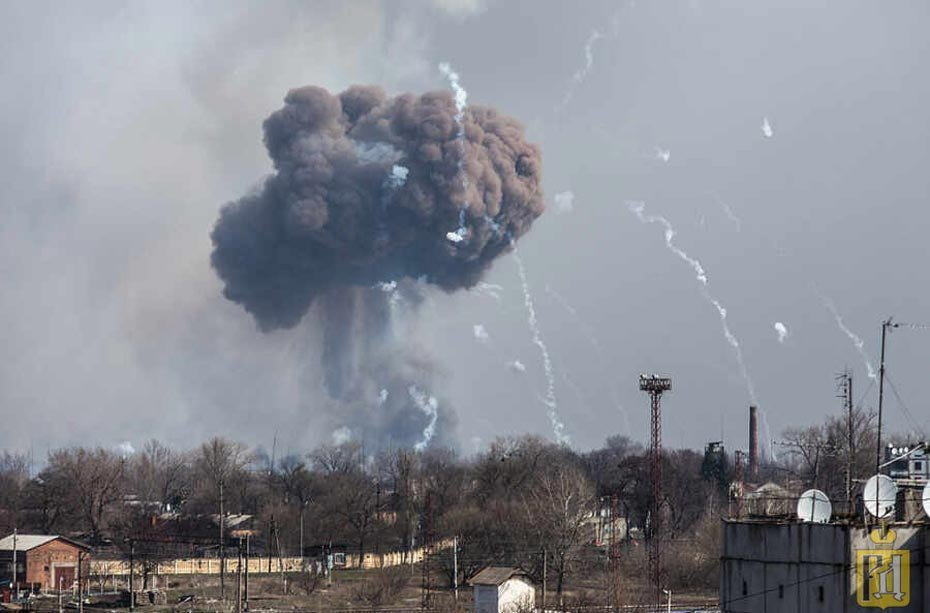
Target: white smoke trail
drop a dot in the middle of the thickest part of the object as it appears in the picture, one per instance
(857, 342)
(490, 289)
(638, 208)
(663, 154)
(461, 101)
(558, 428)
(516, 365)
(589, 333)
(729, 212)
(430, 407)
(767, 128)
(582, 73)
(782, 331)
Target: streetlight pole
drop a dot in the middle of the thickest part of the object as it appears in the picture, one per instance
(669, 594)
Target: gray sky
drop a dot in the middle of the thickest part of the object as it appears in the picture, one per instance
(126, 127)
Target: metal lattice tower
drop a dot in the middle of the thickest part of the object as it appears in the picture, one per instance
(655, 386)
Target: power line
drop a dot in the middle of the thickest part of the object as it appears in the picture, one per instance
(905, 410)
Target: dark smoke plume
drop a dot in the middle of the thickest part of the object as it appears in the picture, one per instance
(331, 215)
(365, 190)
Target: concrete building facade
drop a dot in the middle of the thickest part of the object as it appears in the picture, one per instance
(793, 567)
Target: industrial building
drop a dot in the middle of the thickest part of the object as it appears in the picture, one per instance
(781, 555)
(788, 566)
(43, 562)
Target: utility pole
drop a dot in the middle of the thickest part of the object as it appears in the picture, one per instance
(80, 581)
(455, 566)
(15, 585)
(132, 570)
(881, 397)
(545, 560)
(222, 548)
(426, 586)
(246, 578)
(847, 396)
(613, 571)
(239, 578)
(655, 386)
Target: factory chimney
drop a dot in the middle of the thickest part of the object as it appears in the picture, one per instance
(753, 442)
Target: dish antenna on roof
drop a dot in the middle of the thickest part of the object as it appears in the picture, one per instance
(927, 499)
(814, 507)
(879, 496)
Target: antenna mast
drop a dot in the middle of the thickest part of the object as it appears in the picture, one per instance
(655, 386)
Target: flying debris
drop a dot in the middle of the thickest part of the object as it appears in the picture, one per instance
(564, 202)
(767, 128)
(481, 334)
(782, 331)
(516, 365)
(364, 191)
(663, 154)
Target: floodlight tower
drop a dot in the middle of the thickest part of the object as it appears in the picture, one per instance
(655, 386)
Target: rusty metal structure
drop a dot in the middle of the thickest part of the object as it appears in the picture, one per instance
(655, 386)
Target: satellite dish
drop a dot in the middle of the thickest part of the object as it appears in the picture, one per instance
(814, 507)
(927, 499)
(879, 496)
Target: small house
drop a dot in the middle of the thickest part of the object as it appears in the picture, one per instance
(503, 590)
(43, 562)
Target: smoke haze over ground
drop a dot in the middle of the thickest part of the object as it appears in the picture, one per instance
(125, 126)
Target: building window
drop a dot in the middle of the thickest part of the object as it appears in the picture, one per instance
(781, 591)
(820, 593)
(745, 588)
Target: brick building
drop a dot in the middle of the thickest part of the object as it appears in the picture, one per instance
(44, 562)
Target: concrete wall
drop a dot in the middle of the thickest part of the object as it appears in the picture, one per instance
(512, 596)
(795, 567)
(515, 595)
(484, 598)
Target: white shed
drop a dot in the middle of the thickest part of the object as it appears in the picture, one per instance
(503, 590)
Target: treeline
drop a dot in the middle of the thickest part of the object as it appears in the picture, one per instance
(519, 498)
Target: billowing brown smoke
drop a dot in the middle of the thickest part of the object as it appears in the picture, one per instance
(333, 214)
(365, 190)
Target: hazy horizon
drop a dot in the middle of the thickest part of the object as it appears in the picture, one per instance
(785, 143)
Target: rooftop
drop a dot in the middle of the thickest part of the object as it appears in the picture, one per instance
(495, 575)
(25, 542)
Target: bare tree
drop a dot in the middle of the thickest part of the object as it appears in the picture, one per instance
(90, 481)
(161, 475)
(558, 506)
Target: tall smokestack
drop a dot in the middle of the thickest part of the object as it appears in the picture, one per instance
(753, 442)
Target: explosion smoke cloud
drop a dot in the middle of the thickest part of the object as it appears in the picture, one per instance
(364, 189)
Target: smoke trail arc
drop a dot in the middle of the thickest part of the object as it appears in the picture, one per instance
(638, 208)
(857, 342)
